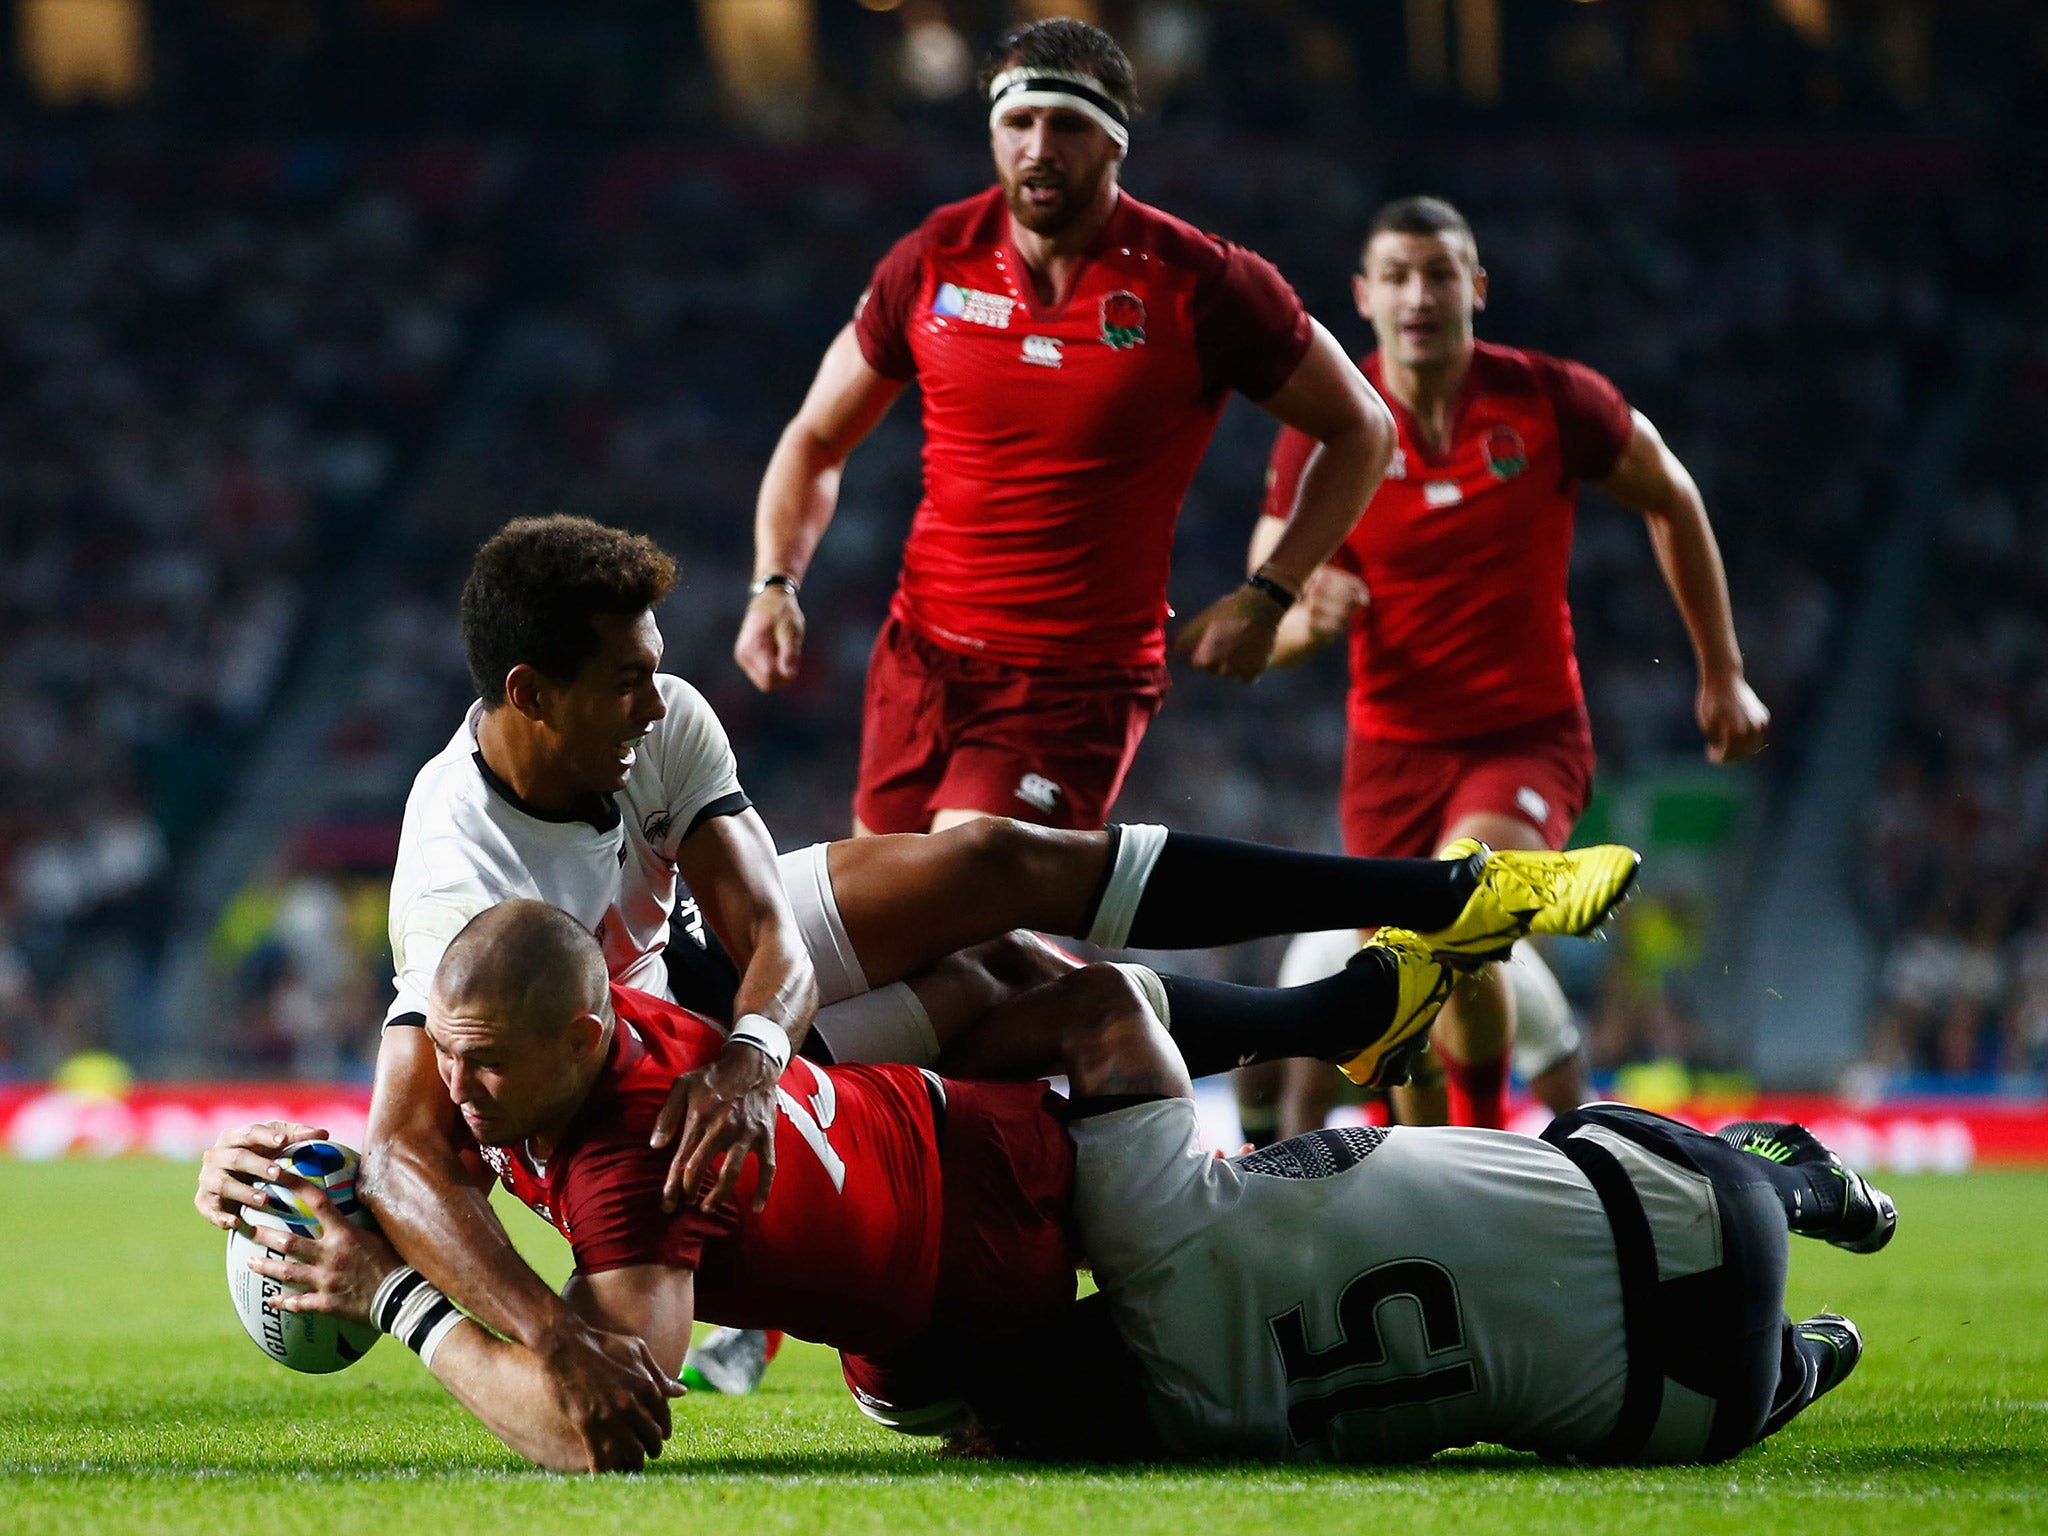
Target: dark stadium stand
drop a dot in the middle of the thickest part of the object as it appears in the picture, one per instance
(1958, 836)
(218, 366)
(364, 300)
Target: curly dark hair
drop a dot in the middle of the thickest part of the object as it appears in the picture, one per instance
(1061, 42)
(535, 586)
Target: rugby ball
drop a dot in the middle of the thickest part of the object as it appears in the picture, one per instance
(306, 1341)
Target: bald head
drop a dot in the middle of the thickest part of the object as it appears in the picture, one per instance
(518, 1015)
(524, 965)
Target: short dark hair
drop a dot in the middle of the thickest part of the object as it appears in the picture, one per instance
(1060, 42)
(1418, 216)
(535, 586)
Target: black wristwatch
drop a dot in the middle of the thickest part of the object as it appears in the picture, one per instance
(1272, 590)
(780, 579)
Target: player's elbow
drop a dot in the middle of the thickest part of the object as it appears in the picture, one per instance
(402, 1166)
(1361, 433)
(1378, 432)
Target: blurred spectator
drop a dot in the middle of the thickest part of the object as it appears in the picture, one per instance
(1642, 1015)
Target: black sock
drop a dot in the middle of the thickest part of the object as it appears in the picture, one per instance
(1813, 1195)
(1799, 1367)
(1219, 1025)
(1217, 890)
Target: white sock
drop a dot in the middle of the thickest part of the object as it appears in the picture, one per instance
(1149, 983)
(1138, 848)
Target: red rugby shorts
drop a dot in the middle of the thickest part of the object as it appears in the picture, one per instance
(946, 731)
(1400, 798)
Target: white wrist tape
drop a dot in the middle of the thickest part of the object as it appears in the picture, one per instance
(413, 1312)
(766, 1036)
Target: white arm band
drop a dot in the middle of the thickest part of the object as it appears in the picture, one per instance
(413, 1312)
(766, 1036)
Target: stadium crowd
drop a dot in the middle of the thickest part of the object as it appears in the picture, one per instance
(227, 363)
(1958, 834)
(217, 364)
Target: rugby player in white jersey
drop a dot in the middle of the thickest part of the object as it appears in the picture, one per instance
(1612, 1292)
(585, 778)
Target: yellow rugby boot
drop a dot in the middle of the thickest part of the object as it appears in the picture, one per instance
(1520, 893)
(1422, 983)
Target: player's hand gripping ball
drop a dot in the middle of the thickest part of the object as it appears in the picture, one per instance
(306, 1341)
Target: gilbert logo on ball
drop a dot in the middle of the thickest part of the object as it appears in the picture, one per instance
(306, 1341)
(1123, 320)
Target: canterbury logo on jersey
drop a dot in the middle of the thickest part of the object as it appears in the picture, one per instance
(1043, 350)
(973, 305)
(1035, 789)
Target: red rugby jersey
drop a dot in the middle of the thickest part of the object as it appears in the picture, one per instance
(847, 1251)
(1466, 554)
(1059, 442)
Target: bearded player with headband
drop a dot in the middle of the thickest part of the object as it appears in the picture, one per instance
(1073, 348)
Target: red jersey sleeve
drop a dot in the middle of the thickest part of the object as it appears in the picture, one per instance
(1593, 420)
(610, 1199)
(881, 321)
(1251, 331)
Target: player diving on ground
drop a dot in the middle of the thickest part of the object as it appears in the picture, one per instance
(1610, 1292)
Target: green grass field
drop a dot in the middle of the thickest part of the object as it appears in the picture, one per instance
(130, 1401)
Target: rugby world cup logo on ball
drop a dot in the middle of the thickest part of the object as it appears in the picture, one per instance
(306, 1341)
(1123, 320)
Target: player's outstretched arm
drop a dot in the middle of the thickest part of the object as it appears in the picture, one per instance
(721, 1114)
(344, 1271)
(421, 1179)
(646, 1309)
(1329, 400)
(799, 494)
(1650, 478)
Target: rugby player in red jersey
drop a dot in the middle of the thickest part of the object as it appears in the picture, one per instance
(930, 1229)
(1466, 717)
(937, 1208)
(1073, 349)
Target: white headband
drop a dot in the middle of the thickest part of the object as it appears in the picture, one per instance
(1027, 87)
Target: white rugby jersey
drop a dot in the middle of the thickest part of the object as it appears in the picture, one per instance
(1355, 1295)
(467, 844)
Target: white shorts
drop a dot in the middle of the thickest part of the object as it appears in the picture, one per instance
(807, 880)
(855, 1022)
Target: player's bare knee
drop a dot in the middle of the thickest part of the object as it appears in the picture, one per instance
(1021, 960)
(1109, 1025)
(1011, 856)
